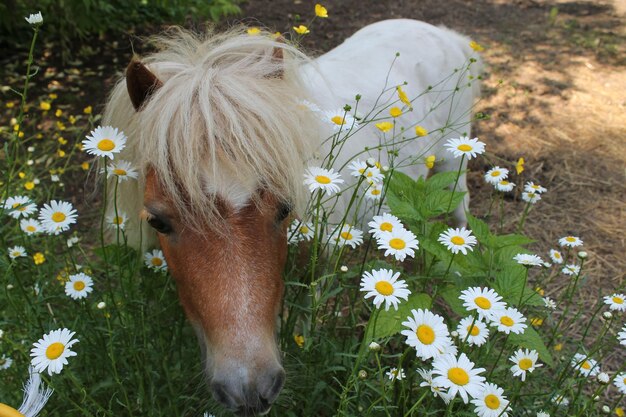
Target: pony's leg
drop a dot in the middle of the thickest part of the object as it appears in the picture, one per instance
(452, 164)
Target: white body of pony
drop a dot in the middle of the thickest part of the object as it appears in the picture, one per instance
(216, 127)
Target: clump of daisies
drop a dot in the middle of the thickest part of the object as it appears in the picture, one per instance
(392, 237)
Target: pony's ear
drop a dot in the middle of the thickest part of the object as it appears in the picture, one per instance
(140, 82)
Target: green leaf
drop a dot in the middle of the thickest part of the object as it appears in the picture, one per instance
(510, 283)
(437, 202)
(530, 339)
(480, 230)
(510, 240)
(451, 295)
(440, 180)
(389, 322)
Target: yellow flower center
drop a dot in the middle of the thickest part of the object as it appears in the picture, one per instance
(79, 285)
(16, 205)
(55, 350)
(525, 364)
(507, 321)
(384, 288)
(156, 261)
(118, 220)
(16, 253)
(58, 217)
(346, 235)
(386, 227)
(464, 147)
(397, 244)
(375, 191)
(304, 230)
(338, 120)
(458, 376)
(557, 255)
(119, 171)
(570, 239)
(457, 240)
(31, 228)
(425, 334)
(492, 401)
(106, 145)
(483, 303)
(322, 179)
(504, 182)
(495, 174)
(618, 300)
(586, 365)
(473, 330)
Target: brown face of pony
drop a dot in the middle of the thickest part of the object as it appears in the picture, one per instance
(229, 283)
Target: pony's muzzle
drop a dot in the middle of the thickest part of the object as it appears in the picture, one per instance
(249, 398)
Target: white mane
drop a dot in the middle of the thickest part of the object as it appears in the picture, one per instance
(224, 123)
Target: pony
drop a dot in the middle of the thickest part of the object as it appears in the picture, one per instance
(217, 129)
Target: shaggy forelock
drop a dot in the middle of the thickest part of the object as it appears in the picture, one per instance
(228, 109)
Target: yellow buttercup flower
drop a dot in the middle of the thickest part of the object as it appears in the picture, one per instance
(85, 166)
(61, 140)
(420, 131)
(384, 126)
(299, 339)
(60, 153)
(10, 105)
(403, 97)
(58, 113)
(301, 30)
(22, 175)
(558, 347)
(87, 110)
(44, 105)
(430, 161)
(519, 167)
(476, 46)
(320, 11)
(619, 411)
(253, 31)
(395, 112)
(52, 96)
(536, 321)
(29, 185)
(72, 119)
(60, 126)
(39, 258)
(16, 127)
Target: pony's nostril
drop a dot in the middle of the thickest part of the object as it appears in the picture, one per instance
(221, 394)
(270, 387)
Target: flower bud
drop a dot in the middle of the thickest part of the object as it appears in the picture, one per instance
(371, 162)
(582, 254)
(603, 378)
(607, 315)
(374, 347)
(454, 333)
(343, 268)
(606, 409)
(362, 374)
(101, 305)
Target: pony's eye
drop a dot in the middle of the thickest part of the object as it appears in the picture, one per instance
(159, 225)
(283, 211)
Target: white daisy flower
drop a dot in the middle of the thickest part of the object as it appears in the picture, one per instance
(17, 252)
(428, 382)
(428, 334)
(556, 256)
(560, 400)
(509, 320)
(299, 231)
(384, 223)
(603, 378)
(571, 269)
(464, 146)
(340, 120)
(105, 141)
(549, 303)
(505, 186)
(620, 382)
(78, 286)
(327, 180)
(360, 168)
(30, 226)
(524, 360)
(384, 286)
(19, 206)
(496, 174)
(57, 216)
(474, 331)
(5, 362)
(34, 18)
(374, 191)
(458, 376)
(305, 104)
(484, 301)
(457, 240)
(51, 352)
(72, 241)
(542, 414)
(155, 260)
(123, 170)
(531, 197)
(399, 243)
(570, 241)
(347, 235)
(531, 187)
(585, 365)
(491, 402)
(395, 373)
(621, 336)
(528, 260)
(616, 302)
(119, 221)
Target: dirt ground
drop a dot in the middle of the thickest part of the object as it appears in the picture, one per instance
(555, 93)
